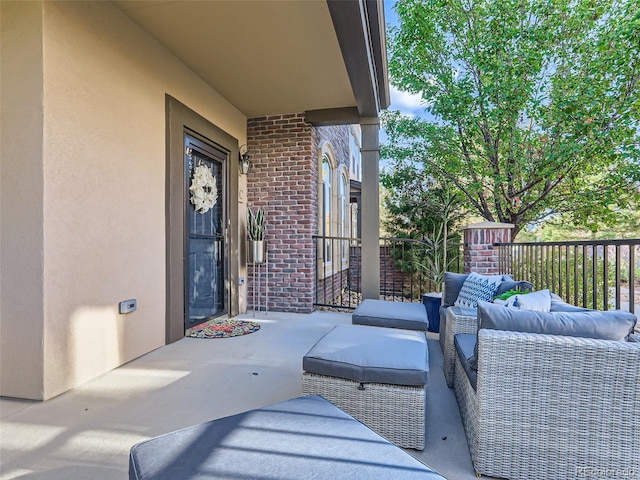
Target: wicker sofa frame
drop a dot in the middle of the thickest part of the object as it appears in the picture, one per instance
(551, 407)
(457, 322)
(461, 321)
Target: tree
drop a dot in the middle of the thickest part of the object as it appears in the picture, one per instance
(557, 230)
(419, 208)
(535, 104)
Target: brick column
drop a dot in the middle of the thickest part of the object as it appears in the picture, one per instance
(480, 255)
(284, 181)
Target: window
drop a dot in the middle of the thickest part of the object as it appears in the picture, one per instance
(343, 215)
(355, 161)
(326, 216)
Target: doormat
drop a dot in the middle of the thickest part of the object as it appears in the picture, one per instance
(223, 329)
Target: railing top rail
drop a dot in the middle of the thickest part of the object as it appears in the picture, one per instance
(414, 240)
(326, 237)
(381, 239)
(631, 241)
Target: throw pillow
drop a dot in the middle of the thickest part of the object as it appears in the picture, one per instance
(510, 284)
(539, 301)
(477, 288)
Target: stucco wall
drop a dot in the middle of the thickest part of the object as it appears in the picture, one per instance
(21, 227)
(103, 166)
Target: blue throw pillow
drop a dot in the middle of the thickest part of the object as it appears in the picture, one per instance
(477, 288)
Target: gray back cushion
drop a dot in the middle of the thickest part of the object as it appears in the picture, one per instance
(559, 305)
(608, 325)
(510, 284)
(453, 283)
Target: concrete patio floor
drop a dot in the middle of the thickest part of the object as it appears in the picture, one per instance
(87, 433)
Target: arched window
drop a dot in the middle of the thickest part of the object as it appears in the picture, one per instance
(343, 215)
(326, 220)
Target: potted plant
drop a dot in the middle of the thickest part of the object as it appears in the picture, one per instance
(256, 229)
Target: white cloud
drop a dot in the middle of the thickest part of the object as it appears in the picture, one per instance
(409, 104)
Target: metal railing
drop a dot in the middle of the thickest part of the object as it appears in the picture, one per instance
(598, 274)
(404, 272)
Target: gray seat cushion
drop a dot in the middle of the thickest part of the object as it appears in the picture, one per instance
(383, 313)
(465, 346)
(306, 437)
(370, 355)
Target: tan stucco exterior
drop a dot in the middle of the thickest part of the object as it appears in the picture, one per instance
(83, 189)
(92, 157)
(22, 199)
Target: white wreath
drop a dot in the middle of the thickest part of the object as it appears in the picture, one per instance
(204, 192)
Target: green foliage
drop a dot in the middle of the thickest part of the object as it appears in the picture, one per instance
(559, 228)
(256, 224)
(509, 293)
(438, 256)
(535, 105)
(418, 208)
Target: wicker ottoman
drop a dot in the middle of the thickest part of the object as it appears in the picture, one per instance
(384, 313)
(377, 375)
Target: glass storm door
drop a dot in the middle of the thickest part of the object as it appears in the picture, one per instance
(205, 266)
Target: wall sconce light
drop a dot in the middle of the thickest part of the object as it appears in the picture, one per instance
(245, 162)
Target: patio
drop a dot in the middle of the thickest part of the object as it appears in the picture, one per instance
(87, 432)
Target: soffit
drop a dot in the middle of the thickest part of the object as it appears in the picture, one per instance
(265, 57)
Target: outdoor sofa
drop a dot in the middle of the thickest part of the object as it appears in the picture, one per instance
(452, 284)
(462, 320)
(550, 395)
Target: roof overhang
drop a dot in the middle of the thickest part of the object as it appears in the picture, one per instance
(327, 58)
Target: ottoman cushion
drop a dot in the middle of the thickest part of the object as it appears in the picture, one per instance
(306, 437)
(383, 313)
(370, 355)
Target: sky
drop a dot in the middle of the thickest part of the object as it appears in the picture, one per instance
(409, 104)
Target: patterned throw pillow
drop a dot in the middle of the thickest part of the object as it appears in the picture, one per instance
(539, 301)
(477, 288)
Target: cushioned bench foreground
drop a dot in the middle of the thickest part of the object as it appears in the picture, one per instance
(384, 313)
(378, 375)
(305, 437)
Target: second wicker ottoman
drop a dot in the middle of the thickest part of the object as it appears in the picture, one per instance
(384, 313)
(377, 375)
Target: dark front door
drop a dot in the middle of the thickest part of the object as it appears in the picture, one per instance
(205, 263)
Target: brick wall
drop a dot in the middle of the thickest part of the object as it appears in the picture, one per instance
(284, 181)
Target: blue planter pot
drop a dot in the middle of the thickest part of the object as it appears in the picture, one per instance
(432, 302)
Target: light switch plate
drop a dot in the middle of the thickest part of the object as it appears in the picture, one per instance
(128, 306)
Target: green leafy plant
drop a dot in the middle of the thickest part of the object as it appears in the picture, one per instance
(510, 293)
(256, 224)
(532, 111)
